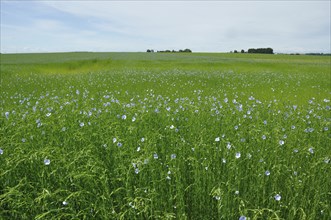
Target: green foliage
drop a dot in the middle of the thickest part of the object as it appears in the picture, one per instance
(164, 136)
(173, 51)
(261, 50)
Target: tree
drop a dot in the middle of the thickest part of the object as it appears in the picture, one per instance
(261, 50)
(269, 50)
(242, 51)
(173, 51)
(235, 51)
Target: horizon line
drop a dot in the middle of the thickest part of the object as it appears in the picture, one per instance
(87, 51)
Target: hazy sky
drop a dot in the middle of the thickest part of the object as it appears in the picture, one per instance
(214, 26)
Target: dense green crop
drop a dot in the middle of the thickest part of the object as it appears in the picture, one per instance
(161, 136)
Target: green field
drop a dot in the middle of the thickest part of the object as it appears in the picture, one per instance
(165, 136)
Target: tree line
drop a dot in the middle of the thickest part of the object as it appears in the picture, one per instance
(170, 51)
(261, 50)
(258, 50)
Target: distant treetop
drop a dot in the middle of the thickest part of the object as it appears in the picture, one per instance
(171, 51)
(261, 50)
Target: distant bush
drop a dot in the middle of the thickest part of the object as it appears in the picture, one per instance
(187, 51)
(174, 51)
(261, 50)
(319, 54)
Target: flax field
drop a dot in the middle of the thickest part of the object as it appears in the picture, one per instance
(165, 136)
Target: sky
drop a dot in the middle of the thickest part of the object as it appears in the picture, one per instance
(202, 26)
